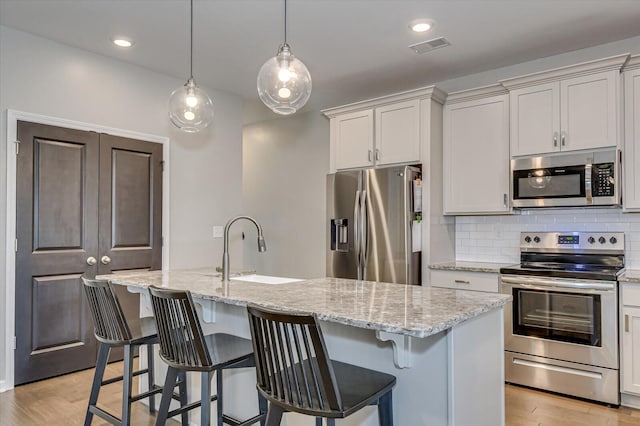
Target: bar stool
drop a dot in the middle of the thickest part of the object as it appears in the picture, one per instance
(112, 329)
(184, 347)
(296, 374)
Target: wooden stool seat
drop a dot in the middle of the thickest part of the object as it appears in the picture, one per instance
(296, 374)
(184, 347)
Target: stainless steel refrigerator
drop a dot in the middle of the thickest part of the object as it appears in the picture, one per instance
(374, 224)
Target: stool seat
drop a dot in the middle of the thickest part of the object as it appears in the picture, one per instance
(142, 330)
(113, 329)
(184, 347)
(296, 374)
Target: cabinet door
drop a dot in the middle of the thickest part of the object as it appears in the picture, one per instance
(632, 139)
(398, 133)
(353, 139)
(588, 111)
(630, 350)
(476, 156)
(535, 119)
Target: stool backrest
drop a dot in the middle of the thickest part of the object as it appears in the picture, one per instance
(292, 364)
(181, 339)
(110, 325)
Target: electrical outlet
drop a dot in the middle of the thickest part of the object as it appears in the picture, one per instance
(218, 231)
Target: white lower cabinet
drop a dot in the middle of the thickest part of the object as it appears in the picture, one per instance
(630, 339)
(465, 280)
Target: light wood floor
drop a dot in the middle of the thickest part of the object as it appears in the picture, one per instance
(62, 401)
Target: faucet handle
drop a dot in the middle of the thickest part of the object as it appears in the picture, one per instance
(219, 269)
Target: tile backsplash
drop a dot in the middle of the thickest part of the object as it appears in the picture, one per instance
(497, 238)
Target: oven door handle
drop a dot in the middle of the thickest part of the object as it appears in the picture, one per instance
(546, 283)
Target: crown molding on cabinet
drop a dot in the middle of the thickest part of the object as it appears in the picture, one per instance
(585, 68)
(429, 92)
(477, 93)
(632, 64)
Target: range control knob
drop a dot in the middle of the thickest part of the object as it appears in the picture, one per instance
(613, 240)
(527, 239)
(591, 240)
(536, 239)
(602, 240)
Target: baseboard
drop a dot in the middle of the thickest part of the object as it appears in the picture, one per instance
(3, 388)
(628, 400)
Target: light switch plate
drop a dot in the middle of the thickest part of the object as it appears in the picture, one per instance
(218, 231)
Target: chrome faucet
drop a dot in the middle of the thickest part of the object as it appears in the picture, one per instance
(262, 246)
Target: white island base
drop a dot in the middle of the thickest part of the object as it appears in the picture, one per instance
(454, 377)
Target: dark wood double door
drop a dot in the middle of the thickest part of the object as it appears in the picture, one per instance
(87, 204)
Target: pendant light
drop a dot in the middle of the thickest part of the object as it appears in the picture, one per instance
(190, 108)
(284, 82)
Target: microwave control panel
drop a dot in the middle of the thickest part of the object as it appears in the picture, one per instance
(603, 180)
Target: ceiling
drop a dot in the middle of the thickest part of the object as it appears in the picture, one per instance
(354, 49)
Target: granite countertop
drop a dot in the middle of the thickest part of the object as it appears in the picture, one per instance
(630, 275)
(404, 309)
(460, 265)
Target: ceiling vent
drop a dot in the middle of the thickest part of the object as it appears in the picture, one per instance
(428, 46)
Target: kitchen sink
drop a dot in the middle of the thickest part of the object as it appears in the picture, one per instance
(264, 279)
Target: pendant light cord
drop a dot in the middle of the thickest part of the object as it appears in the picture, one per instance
(191, 45)
(285, 21)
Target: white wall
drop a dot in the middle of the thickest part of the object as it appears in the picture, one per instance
(285, 163)
(43, 77)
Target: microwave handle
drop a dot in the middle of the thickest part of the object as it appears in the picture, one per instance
(588, 189)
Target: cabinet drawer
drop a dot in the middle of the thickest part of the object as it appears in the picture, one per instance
(630, 294)
(465, 280)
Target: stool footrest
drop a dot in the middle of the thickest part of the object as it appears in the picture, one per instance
(188, 407)
(119, 378)
(235, 422)
(154, 390)
(105, 415)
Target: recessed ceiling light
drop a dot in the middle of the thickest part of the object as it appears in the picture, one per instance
(421, 25)
(122, 42)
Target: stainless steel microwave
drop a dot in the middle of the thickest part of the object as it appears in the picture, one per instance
(584, 178)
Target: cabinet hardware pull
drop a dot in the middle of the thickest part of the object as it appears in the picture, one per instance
(504, 200)
(555, 139)
(370, 156)
(91, 261)
(563, 138)
(105, 260)
(377, 154)
(626, 323)
(462, 282)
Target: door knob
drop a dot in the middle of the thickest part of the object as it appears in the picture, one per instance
(91, 261)
(105, 260)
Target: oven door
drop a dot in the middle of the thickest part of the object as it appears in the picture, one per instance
(565, 319)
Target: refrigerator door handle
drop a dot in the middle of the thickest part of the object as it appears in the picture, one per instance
(364, 223)
(356, 230)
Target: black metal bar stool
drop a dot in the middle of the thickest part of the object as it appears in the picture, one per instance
(184, 347)
(296, 374)
(113, 329)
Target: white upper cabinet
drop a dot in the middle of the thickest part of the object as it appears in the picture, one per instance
(535, 119)
(631, 155)
(355, 133)
(379, 132)
(476, 152)
(398, 133)
(566, 109)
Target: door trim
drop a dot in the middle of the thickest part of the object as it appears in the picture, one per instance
(10, 262)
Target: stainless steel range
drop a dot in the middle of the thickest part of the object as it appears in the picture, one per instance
(561, 330)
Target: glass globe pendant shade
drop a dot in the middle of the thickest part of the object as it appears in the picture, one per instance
(284, 82)
(190, 108)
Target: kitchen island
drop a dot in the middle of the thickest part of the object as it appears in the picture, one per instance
(444, 346)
